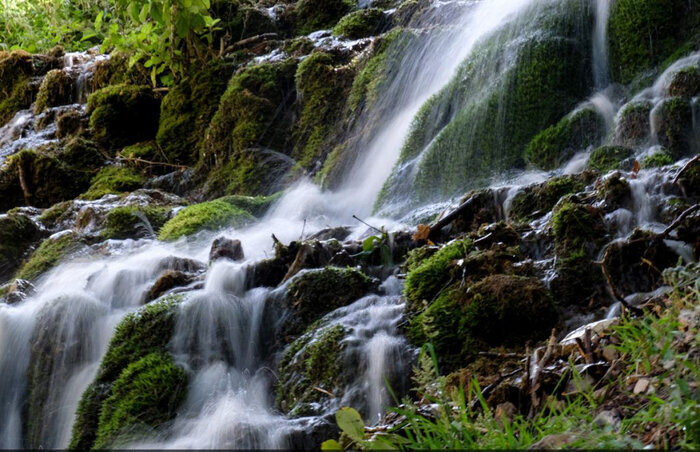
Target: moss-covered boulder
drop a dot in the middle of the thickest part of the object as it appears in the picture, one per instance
(579, 231)
(636, 264)
(656, 159)
(241, 19)
(255, 205)
(113, 180)
(607, 158)
(131, 222)
(427, 279)
(685, 83)
(315, 360)
(313, 15)
(615, 191)
(68, 123)
(146, 395)
(674, 127)
(499, 310)
(117, 70)
(689, 181)
(314, 293)
(56, 89)
(211, 215)
(187, 110)
(556, 144)
(644, 33)
(123, 114)
(50, 253)
(322, 89)
(633, 124)
(16, 90)
(17, 234)
(539, 199)
(360, 24)
(130, 360)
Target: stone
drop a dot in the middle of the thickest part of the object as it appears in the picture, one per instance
(225, 248)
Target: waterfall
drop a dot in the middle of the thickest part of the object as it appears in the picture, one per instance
(601, 63)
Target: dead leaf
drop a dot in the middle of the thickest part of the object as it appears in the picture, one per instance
(422, 233)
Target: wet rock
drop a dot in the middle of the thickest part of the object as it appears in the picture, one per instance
(225, 248)
(633, 126)
(498, 310)
(56, 89)
(68, 123)
(19, 290)
(315, 293)
(606, 158)
(689, 232)
(635, 265)
(169, 279)
(500, 233)
(181, 264)
(480, 207)
(539, 199)
(674, 126)
(177, 182)
(17, 234)
(337, 233)
(134, 222)
(685, 83)
(51, 251)
(210, 215)
(689, 181)
(615, 190)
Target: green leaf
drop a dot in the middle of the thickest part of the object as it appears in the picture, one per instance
(350, 422)
(182, 26)
(143, 16)
(369, 243)
(98, 20)
(331, 444)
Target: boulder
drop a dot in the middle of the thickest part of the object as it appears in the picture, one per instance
(225, 248)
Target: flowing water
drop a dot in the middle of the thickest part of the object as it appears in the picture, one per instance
(224, 331)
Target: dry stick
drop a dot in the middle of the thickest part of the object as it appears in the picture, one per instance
(450, 217)
(690, 163)
(148, 162)
(613, 289)
(367, 224)
(677, 222)
(501, 355)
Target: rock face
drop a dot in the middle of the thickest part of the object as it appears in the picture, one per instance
(17, 234)
(225, 248)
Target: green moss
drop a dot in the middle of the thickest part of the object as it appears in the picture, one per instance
(607, 158)
(426, 280)
(113, 180)
(133, 222)
(56, 89)
(147, 150)
(360, 24)
(187, 110)
(17, 234)
(255, 205)
(539, 199)
(123, 114)
(416, 256)
(211, 215)
(250, 173)
(68, 123)
(137, 336)
(642, 33)
(312, 15)
(254, 112)
(312, 361)
(50, 252)
(53, 214)
(16, 92)
(556, 144)
(685, 82)
(118, 70)
(675, 127)
(240, 19)
(633, 124)
(657, 160)
(146, 395)
(499, 310)
(322, 89)
(315, 293)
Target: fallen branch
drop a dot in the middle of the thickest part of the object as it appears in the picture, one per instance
(149, 162)
(687, 166)
(247, 41)
(450, 217)
(677, 222)
(613, 289)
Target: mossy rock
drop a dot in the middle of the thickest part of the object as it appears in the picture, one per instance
(56, 89)
(322, 89)
(313, 15)
(138, 335)
(123, 114)
(579, 232)
(482, 121)
(607, 158)
(134, 222)
(29, 177)
(314, 360)
(556, 144)
(633, 124)
(68, 124)
(689, 181)
(16, 90)
(255, 205)
(499, 310)
(657, 159)
(52, 216)
(636, 264)
(147, 394)
(117, 70)
(427, 279)
(314, 293)
(360, 24)
(538, 200)
(211, 215)
(49, 254)
(643, 33)
(685, 83)
(615, 191)
(146, 150)
(113, 180)
(674, 127)
(187, 110)
(255, 111)
(17, 234)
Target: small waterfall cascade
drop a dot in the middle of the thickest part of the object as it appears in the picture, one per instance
(601, 60)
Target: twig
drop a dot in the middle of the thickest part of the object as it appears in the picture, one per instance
(323, 391)
(501, 355)
(367, 224)
(677, 222)
(613, 289)
(449, 218)
(148, 162)
(689, 164)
